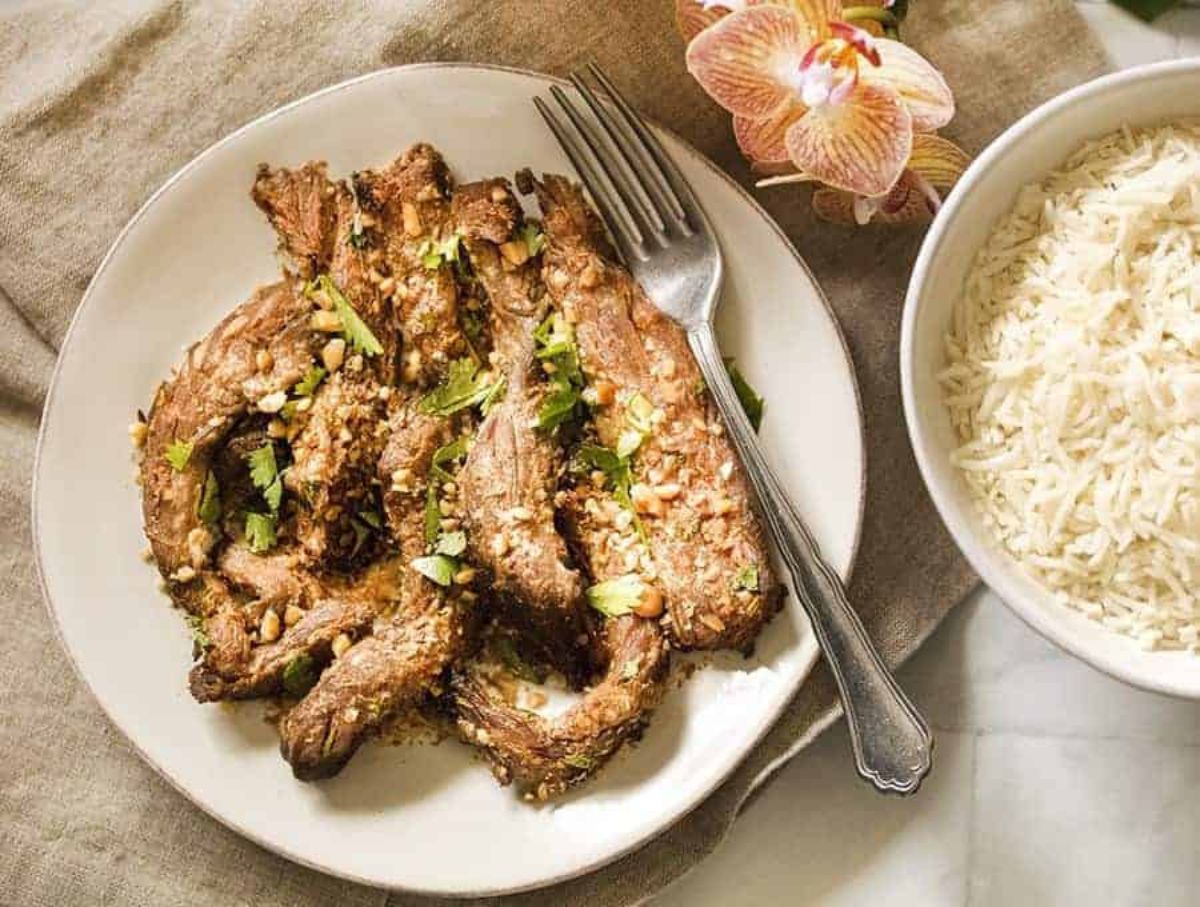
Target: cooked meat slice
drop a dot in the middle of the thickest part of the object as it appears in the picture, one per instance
(694, 500)
(301, 206)
(408, 200)
(404, 658)
(222, 377)
(545, 756)
(377, 677)
(334, 457)
(510, 474)
(233, 667)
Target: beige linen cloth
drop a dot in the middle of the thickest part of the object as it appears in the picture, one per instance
(101, 102)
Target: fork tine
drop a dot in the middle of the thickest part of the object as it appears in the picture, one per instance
(658, 168)
(615, 159)
(605, 159)
(616, 216)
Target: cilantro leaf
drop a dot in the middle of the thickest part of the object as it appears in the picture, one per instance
(260, 531)
(464, 387)
(436, 253)
(451, 544)
(555, 343)
(617, 471)
(273, 494)
(751, 402)
(354, 329)
(200, 640)
(371, 518)
(178, 454)
(299, 676)
(208, 507)
(616, 597)
(746, 579)
(494, 395)
(448, 453)
(580, 761)
(312, 379)
(263, 468)
(534, 239)
(437, 568)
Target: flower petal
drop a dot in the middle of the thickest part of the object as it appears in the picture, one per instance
(762, 141)
(834, 205)
(914, 79)
(741, 60)
(817, 14)
(693, 16)
(860, 145)
(939, 160)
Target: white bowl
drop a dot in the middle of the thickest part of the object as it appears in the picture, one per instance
(1025, 153)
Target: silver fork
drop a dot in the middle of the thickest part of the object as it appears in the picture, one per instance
(669, 245)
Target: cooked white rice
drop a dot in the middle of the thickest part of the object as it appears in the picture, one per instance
(1073, 381)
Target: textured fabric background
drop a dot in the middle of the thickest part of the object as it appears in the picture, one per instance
(100, 102)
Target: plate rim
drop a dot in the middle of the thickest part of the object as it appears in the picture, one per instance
(86, 299)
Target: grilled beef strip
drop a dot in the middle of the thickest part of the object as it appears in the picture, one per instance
(511, 472)
(337, 439)
(545, 756)
(408, 202)
(704, 536)
(220, 381)
(403, 660)
(301, 205)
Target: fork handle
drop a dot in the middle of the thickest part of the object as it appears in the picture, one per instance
(891, 741)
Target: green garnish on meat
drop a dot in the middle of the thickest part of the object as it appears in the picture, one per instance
(616, 597)
(463, 388)
(178, 454)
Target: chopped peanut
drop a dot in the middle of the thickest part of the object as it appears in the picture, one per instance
(325, 321)
(650, 604)
(340, 644)
(292, 616)
(412, 219)
(333, 354)
(270, 628)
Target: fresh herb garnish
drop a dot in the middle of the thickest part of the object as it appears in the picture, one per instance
(494, 395)
(354, 329)
(260, 531)
(616, 597)
(534, 239)
(555, 344)
(299, 676)
(751, 402)
(178, 454)
(451, 544)
(208, 507)
(618, 474)
(200, 640)
(265, 475)
(435, 253)
(308, 385)
(448, 453)
(464, 387)
(746, 579)
(437, 568)
(579, 761)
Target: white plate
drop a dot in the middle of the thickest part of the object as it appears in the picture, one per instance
(427, 818)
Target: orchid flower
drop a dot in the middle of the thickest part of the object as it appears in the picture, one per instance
(932, 169)
(809, 89)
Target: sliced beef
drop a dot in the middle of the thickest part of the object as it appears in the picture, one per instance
(221, 379)
(704, 536)
(302, 207)
(408, 202)
(425, 631)
(545, 756)
(510, 475)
